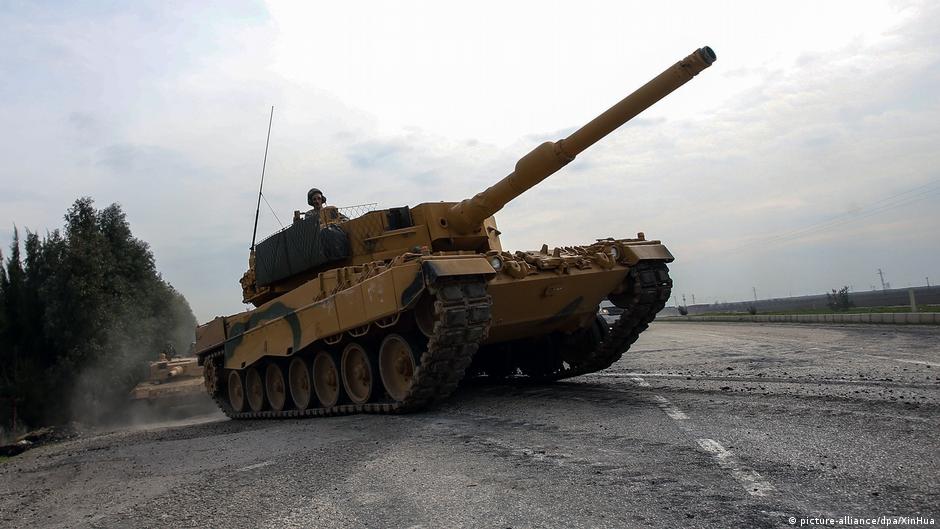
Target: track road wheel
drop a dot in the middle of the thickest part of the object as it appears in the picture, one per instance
(301, 390)
(326, 379)
(357, 373)
(397, 366)
(254, 387)
(236, 392)
(275, 387)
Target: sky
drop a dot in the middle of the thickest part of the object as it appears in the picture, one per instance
(805, 159)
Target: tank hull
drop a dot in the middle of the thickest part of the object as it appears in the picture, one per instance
(510, 297)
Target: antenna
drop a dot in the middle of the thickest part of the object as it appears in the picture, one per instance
(254, 232)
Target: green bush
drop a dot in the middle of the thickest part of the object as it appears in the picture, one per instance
(838, 300)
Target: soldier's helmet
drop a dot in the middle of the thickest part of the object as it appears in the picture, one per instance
(312, 192)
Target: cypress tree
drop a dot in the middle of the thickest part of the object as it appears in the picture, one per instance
(82, 315)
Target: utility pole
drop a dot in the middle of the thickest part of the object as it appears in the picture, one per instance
(693, 298)
(683, 300)
(755, 293)
(882, 276)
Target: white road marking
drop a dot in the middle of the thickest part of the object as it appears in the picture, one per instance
(256, 465)
(670, 410)
(753, 482)
(905, 360)
(920, 362)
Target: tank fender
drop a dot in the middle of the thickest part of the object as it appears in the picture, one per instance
(209, 336)
(435, 268)
(646, 252)
(413, 291)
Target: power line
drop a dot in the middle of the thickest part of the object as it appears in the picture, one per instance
(879, 206)
(882, 205)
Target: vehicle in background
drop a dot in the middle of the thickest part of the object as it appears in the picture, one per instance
(609, 312)
(174, 386)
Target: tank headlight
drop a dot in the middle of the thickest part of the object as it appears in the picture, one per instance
(496, 262)
(614, 252)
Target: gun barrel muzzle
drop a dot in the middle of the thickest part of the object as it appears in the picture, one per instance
(549, 157)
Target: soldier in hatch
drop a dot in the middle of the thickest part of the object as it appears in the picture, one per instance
(316, 199)
(327, 214)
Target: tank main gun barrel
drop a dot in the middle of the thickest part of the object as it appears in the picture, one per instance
(549, 157)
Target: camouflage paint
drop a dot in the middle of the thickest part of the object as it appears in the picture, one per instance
(276, 310)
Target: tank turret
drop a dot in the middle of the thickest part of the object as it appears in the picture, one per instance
(309, 246)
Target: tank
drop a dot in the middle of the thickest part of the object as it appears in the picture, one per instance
(171, 383)
(388, 311)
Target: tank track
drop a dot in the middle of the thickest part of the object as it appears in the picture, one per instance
(463, 312)
(647, 288)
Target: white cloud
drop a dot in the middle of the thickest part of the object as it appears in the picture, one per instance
(812, 110)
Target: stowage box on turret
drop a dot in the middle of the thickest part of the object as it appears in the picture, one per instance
(388, 311)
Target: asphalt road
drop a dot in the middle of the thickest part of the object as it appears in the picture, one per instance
(700, 425)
